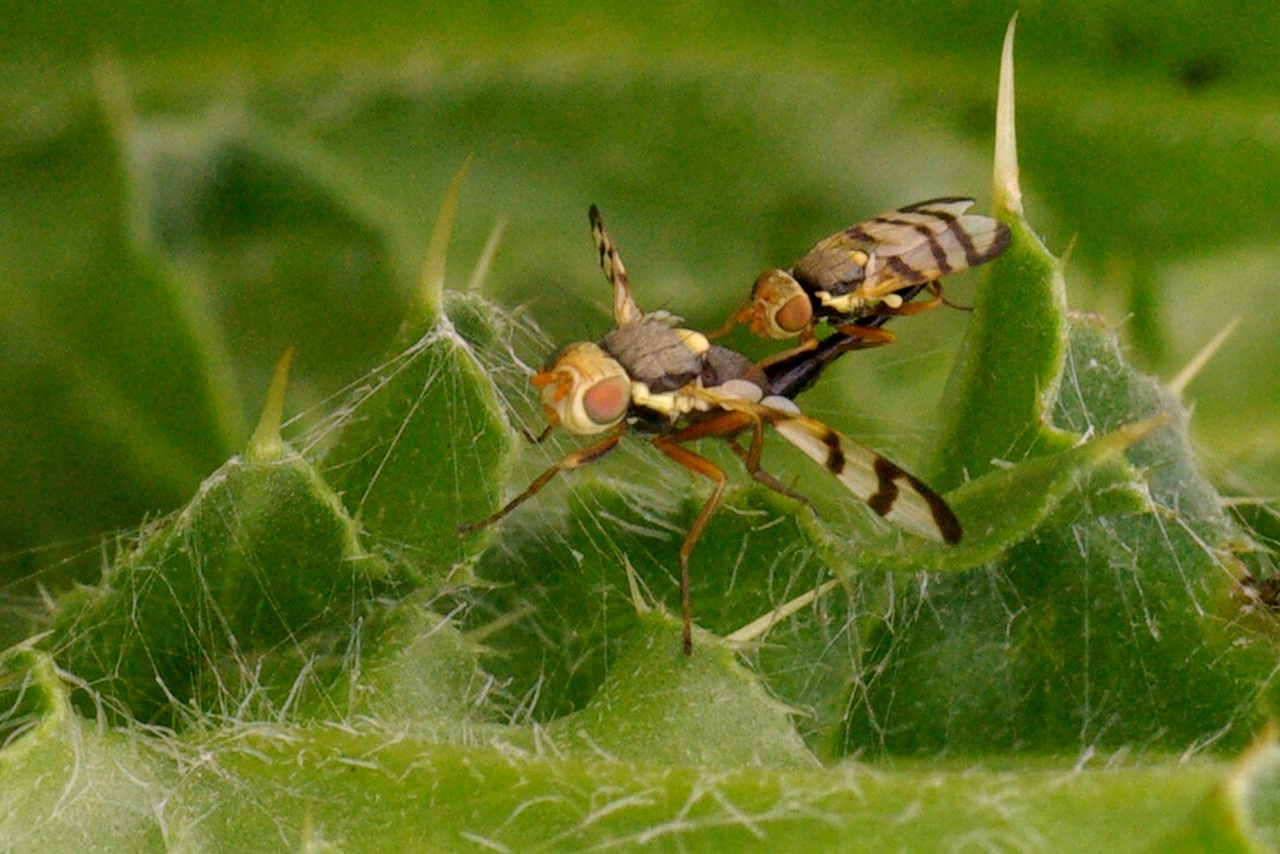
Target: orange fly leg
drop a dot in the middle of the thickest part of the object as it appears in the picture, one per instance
(540, 437)
(865, 337)
(568, 462)
(807, 342)
(740, 315)
(718, 425)
(751, 461)
(765, 479)
(930, 304)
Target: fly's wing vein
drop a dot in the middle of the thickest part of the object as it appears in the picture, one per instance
(889, 490)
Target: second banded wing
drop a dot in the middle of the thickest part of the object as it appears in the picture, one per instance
(893, 493)
(897, 495)
(899, 248)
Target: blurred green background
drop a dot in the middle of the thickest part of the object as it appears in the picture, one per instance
(186, 190)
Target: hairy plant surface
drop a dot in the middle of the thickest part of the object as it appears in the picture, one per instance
(303, 652)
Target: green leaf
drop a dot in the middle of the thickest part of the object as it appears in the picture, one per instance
(67, 784)
(112, 373)
(658, 707)
(1008, 368)
(263, 558)
(1105, 628)
(510, 694)
(427, 443)
(1001, 509)
(423, 448)
(1239, 813)
(417, 672)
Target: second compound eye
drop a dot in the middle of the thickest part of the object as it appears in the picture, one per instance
(794, 315)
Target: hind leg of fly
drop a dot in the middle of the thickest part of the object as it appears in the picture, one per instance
(751, 459)
(723, 424)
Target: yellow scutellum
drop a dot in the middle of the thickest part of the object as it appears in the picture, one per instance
(431, 284)
(266, 443)
(1006, 191)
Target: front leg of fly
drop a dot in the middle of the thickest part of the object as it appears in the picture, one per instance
(570, 461)
(846, 304)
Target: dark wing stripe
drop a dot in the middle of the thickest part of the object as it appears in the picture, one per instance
(957, 232)
(950, 205)
(604, 246)
(927, 229)
(912, 245)
(961, 244)
(835, 454)
(888, 474)
(859, 233)
(943, 516)
(997, 240)
(902, 271)
(891, 492)
(890, 227)
(887, 491)
(941, 257)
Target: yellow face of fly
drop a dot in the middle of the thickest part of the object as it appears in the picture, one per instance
(584, 389)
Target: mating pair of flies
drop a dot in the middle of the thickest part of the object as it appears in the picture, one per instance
(673, 384)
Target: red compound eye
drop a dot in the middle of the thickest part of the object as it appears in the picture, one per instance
(795, 314)
(607, 401)
(782, 308)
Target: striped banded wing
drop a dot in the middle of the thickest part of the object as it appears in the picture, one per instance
(625, 310)
(893, 493)
(919, 243)
(928, 240)
(897, 495)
